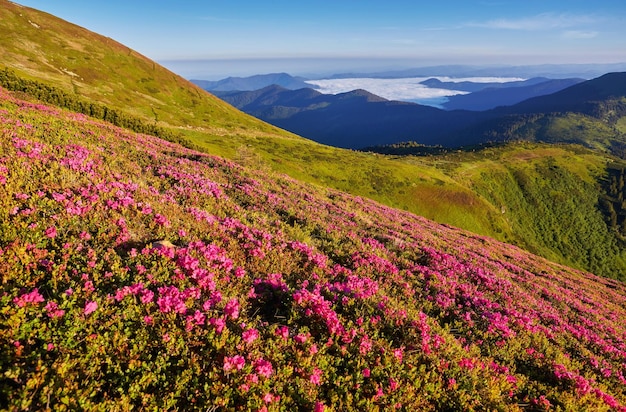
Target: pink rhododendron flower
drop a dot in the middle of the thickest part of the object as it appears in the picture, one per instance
(365, 346)
(263, 368)
(51, 232)
(53, 311)
(282, 331)
(398, 353)
(393, 384)
(90, 307)
(316, 376)
(250, 335)
(268, 398)
(240, 272)
(89, 286)
(232, 308)
(218, 323)
(33, 297)
(234, 362)
(161, 220)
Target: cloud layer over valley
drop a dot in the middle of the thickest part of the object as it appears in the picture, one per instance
(407, 89)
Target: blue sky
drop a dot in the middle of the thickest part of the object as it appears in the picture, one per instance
(257, 36)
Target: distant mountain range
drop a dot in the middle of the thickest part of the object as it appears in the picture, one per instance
(354, 119)
(360, 119)
(254, 82)
(481, 96)
(502, 94)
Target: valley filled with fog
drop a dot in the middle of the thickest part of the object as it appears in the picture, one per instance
(403, 89)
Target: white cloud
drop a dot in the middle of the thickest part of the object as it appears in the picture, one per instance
(408, 89)
(544, 21)
(579, 34)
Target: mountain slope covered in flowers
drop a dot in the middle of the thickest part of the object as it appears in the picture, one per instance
(140, 274)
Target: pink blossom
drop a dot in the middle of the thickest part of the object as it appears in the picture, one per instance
(90, 307)
(33, 297)
(51, 232)
(89, 286)
(542, 401)
(365, 346)
(199, 318)
(398, 353)
(316, 376)
(393, 384)
(218, 323)
(269, 398)
(232, 308)
(234, 362)
(300, 338)
(282, 331)
(147, 296)
(252, 378)
(263, 368)
(161, 220)
(250, 335)
(319, 407)
(53, 311)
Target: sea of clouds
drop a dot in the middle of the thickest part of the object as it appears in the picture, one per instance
(406, 89)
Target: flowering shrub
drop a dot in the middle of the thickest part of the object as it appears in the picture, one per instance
(139, 274)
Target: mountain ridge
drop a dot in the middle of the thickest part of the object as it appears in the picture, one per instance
(387, 122)
(492, 97)
(255, 82)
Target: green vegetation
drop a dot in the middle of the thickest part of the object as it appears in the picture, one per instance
(140, 275)
(550, 196)
(70, 101)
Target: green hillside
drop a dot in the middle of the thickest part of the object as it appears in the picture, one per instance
(140, 275)
(93, 68)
